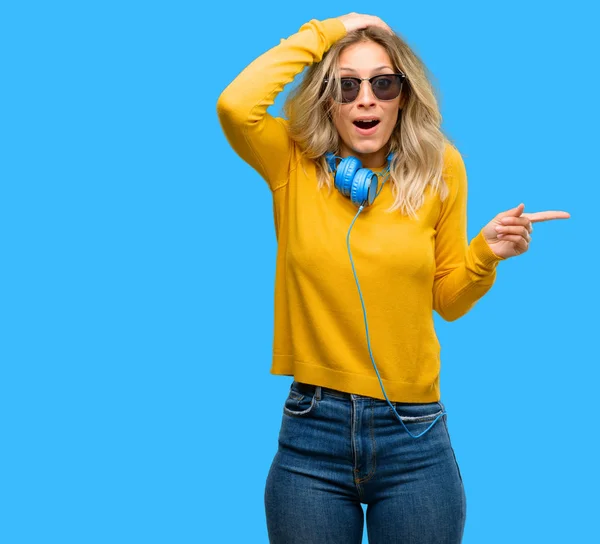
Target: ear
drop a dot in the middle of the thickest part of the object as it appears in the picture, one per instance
(402, 101)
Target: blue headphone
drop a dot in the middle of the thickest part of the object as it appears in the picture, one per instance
(353, 181)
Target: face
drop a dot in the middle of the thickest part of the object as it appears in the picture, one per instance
(365, 60)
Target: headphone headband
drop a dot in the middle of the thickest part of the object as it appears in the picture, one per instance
(332, 158)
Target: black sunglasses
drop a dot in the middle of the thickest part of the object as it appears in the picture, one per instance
(384, 87)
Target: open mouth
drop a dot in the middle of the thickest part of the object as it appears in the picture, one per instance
(366, 124)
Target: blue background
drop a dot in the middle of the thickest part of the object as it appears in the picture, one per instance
(138, 253)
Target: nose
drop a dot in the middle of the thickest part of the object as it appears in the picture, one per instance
(365, 97)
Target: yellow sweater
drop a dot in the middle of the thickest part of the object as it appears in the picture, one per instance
(406, 268)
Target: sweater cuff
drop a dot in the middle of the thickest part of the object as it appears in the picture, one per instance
(482, 252)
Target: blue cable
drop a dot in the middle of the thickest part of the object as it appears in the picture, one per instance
(360, 209)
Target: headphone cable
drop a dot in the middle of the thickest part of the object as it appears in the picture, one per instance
(360, 209)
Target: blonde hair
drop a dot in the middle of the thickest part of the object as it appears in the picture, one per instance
(417, 140)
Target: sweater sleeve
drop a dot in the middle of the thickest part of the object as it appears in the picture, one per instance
(257, 137)
(464, 272)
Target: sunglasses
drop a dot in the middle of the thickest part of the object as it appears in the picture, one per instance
(384, 87)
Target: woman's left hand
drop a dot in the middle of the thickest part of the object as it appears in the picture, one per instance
(509, 233)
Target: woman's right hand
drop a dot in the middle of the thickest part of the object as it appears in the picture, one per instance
(357, 21)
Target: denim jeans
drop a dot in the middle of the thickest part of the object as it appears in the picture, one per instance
(337, 450)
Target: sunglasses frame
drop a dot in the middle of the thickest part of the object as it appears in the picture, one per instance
(400, 74)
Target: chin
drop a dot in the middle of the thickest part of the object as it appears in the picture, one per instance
(366, 149)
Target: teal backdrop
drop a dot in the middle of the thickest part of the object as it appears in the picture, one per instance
(138, 254)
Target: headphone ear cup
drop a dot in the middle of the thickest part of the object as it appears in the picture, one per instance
(345, 174)
(364, 187)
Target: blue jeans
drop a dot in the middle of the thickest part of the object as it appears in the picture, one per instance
(338, 450)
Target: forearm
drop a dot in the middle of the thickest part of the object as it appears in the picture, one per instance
(245, 100)
(456, 292)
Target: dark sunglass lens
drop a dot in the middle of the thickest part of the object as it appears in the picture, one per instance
(350, 89)
(386, 87)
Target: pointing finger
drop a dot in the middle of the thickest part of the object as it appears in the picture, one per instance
(536, 217)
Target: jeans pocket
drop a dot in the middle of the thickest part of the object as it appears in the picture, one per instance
(299, 404)
(411, 413)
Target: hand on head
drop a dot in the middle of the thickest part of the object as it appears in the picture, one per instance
(358, 21)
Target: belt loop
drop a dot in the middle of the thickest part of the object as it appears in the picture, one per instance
(318, 393)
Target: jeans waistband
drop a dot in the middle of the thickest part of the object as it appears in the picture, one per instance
(310, 389)
(319, 391)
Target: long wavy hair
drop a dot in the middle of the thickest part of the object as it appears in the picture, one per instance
(417, 140)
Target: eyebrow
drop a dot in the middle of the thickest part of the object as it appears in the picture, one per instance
(373, 70)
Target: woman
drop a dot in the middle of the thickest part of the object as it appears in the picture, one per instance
(363, 422)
